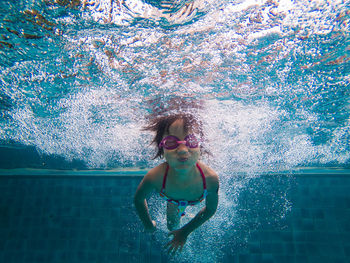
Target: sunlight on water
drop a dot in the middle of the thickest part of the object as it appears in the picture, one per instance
(75, 77)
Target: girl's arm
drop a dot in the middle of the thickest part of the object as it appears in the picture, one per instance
(180, 235)
(144, 189)
(208, 211)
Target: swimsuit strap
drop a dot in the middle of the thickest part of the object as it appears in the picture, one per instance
(165, 176)
(203, 177)
(182, 204)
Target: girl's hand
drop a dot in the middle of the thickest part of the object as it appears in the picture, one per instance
(153, 228)
(178, 241)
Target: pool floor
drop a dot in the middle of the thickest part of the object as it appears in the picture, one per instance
(92, 219)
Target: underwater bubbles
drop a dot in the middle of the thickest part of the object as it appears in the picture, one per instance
(96, 126)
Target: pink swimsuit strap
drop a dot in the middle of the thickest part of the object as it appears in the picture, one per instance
(184, 202)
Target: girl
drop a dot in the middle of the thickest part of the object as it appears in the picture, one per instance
(182, 180)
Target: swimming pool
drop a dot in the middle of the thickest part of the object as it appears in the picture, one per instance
(88, 216)
(78, 77)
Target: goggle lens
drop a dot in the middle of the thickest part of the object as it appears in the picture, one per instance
(170, 143)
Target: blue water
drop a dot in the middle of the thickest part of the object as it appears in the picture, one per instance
(77, 79)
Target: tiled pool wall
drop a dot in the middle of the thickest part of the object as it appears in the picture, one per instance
(92, 219)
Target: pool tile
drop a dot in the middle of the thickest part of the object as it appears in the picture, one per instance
(58, 220)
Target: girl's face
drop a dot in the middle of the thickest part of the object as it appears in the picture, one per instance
(181, 157)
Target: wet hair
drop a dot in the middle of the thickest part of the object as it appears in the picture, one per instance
(165, 113)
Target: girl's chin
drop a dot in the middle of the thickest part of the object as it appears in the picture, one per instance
(183, 163)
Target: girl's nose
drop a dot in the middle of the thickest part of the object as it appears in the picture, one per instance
(182, 148)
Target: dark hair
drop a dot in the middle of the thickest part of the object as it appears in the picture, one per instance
(165, 113)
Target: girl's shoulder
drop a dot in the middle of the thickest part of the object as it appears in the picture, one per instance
(157, 171)
(211, 177)
(156, 174)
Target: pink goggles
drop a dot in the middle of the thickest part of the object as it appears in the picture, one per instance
(172, 142)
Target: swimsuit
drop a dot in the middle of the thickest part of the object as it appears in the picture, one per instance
(182, 204)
